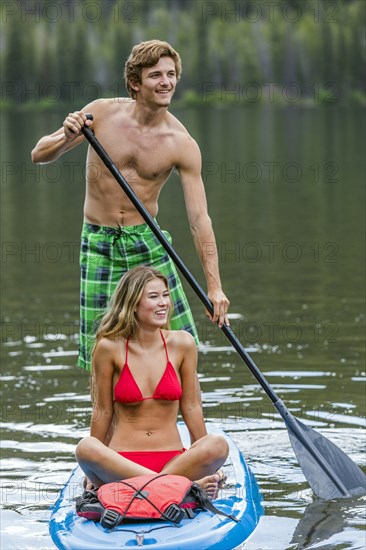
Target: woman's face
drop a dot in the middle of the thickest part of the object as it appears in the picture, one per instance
(153, 307)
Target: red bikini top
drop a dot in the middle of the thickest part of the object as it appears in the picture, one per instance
(127, 391)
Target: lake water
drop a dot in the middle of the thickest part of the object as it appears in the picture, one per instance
(285, 192)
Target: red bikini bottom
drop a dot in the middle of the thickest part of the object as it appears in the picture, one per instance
(154, 460)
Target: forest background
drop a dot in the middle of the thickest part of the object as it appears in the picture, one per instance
(279, 51)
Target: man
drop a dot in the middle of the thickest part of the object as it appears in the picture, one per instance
(146, 142)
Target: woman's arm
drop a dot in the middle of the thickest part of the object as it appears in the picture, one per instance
(190, 404)
(103, 369)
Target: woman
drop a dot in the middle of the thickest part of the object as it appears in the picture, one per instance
(142, 375)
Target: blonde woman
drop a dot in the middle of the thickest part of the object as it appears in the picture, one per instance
(143, 374)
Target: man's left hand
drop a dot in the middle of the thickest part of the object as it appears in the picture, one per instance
(221, 306)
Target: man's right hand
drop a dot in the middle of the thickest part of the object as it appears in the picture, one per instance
(49, 148)
(73, 124)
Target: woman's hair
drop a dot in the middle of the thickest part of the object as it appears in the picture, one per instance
(147, 54)
(120, 319)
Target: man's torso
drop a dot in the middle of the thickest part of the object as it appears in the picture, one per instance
(145, 156)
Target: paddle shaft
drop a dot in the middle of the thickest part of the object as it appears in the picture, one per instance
(289, 419)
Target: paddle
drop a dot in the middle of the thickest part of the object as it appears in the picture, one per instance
(328, 470)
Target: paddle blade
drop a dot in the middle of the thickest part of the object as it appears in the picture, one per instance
(329, 471)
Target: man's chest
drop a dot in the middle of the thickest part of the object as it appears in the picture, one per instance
(149, 157)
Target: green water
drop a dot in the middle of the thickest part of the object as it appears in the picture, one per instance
(285, 188)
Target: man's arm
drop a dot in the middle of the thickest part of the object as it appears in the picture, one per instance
(201, 227)
(50, 148)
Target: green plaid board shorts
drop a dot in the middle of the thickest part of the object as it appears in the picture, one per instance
(106, 254)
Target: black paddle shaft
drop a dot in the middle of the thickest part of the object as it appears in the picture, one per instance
(307, 444)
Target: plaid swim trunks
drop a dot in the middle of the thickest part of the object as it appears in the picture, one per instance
(106, 254)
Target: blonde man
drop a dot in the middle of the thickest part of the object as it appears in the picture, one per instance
(147, 143)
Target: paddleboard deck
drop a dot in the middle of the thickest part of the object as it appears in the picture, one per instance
(240, 496)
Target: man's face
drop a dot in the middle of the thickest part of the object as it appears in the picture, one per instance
(157, 82)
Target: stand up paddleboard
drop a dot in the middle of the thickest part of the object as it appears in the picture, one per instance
(240, 497)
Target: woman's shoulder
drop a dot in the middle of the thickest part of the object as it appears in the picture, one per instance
(180, 338)
(107, 354)
(108, 345)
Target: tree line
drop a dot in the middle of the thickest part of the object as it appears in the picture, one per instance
(73, 51)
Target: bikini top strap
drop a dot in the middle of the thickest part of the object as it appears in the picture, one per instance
(165, 346)
(126, 360)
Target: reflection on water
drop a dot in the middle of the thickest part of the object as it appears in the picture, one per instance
(320, 523)
(290, 261)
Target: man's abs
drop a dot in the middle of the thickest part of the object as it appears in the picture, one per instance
(107, 204)
(114, 217)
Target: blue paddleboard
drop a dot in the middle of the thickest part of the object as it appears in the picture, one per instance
(240, 496)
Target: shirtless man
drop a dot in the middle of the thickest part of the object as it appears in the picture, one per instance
(146, 142)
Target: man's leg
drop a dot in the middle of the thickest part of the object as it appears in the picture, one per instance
(101, 268)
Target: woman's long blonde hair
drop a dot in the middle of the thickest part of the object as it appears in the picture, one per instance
(120, 319)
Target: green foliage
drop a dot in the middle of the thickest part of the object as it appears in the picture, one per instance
(74, 51)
